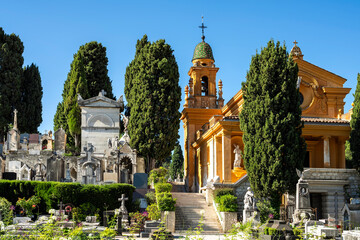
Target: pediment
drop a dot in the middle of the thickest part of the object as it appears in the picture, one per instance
(324, 77)
(126, 148)
(99, 101)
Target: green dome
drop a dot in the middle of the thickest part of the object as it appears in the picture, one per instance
(203, 51)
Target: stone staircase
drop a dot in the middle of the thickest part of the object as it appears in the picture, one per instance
(188, 207)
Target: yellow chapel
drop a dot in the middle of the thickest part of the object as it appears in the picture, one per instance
(212, 132)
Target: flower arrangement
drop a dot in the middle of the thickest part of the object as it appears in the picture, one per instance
(29, 205)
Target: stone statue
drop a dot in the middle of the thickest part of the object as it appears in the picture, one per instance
(115, 143)
(109, 143)
(238, 160)
(38, 169)
(249, 200)
(125, 121)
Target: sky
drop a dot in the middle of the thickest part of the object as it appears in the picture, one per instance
(328, 33)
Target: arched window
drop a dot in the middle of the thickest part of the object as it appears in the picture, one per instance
(204, 86)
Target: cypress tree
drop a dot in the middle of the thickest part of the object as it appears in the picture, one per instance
(271, 124)
(77, 85)
(153, 94)
(354, 140)
(31, 94)
(177, 163)
(95, 74)
(11, 73)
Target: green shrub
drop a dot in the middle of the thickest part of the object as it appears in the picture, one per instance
(165, 202)
(228, 203)
(6, 212)
(51, 193)
(150, 197)
(222, 191)
(153, 211)
(157, 175)
(266, 211)
(163, 187)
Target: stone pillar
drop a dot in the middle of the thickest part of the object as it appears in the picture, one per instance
(212, 162)
(326, 151)
(218, 149)
(341, 153)
(226, 156)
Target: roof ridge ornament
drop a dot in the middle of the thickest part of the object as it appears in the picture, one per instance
(202, 28)
(296, 51)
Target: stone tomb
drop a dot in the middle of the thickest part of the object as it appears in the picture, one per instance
(351, 214)
(100, 121)
(60, 141)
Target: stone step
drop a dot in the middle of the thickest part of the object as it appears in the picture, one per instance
(188, 208)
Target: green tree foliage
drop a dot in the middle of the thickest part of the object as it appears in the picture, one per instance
(31, 94)
(153, 94)
(271, 123)
(94, 74)
(78, 85)
(355, 128)
(177, 163)
(11, 73)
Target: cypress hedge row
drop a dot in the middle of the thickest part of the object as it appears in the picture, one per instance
(51, 193)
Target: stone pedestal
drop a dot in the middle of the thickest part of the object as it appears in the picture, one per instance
(169, 218)
(228, 219)
(237, 173)
(251, 215)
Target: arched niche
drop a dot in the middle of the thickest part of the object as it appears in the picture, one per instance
(101, 120)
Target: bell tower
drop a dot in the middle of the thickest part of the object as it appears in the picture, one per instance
(201, 103)
(201, 91)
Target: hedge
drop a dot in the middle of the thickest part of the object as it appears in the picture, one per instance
(221, 192)
(228, 203)
(51, 193)
(163, 187)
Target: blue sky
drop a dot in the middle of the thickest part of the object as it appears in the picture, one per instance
(328, 33)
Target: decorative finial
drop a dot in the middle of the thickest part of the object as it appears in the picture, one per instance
(296, 51)
(202, 28)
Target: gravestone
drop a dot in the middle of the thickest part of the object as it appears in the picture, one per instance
(123, 210)
(303, 209)
(141, 180)
(60, 140)
(9, 175)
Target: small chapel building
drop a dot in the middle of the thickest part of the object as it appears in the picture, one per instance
(212, 134)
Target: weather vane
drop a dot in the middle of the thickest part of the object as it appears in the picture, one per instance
(202, 28)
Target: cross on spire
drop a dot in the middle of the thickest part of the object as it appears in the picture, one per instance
(202, 28)
(295, 42)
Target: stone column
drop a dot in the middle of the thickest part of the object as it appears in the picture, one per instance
(218, 149)
(226, 156)
(326, 151)
(341, 153)
(212, 162)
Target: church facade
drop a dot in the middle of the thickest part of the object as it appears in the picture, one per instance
(213, 136)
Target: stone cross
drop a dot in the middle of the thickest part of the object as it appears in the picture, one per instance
(102, 93)
(89, 150)
(61, 205)
(123, 209)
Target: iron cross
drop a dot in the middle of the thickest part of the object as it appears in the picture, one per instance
(202, 28)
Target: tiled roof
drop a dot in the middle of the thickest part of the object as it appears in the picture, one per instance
(324, 120)
(305, 119)
(203, 51)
